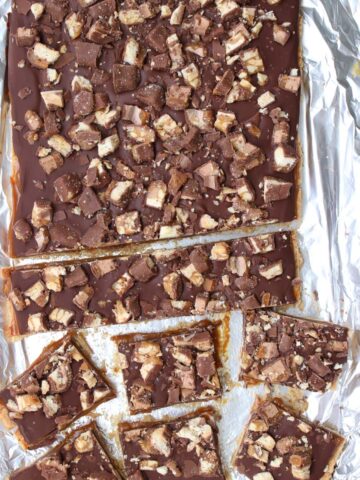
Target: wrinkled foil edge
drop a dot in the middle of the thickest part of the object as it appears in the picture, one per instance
(329, 236)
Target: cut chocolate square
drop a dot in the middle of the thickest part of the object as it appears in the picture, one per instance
(59, 387)
(197, 132)
(183, 448)
(278, 445)
(292, 351)
(168, 368)
(80, 455)
(246, 273)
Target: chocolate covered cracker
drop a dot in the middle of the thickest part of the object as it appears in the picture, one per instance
(183, 448)
(278, 445)
(169, 368)
(140, 121)
(80, 455)
(246, 273)
(60, 386)
(293, 351)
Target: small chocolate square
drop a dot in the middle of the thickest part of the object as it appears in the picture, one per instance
(183, 363)
(60, 386)
(163, 450)
(276, 444)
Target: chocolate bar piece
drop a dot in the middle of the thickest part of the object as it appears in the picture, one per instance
(277, 445)
(246, 273)
(80, 455)
(296, 352)
(183, 448)
(151, 120)
(169, 368)
(60, 386)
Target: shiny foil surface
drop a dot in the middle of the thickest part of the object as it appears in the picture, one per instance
(329, 240)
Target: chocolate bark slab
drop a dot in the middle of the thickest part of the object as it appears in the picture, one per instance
(80, 455)
(246, 273)
(145, 121)
(183, 448)
(297, 352)
(278, 445)
(59, 387)
(169, 368)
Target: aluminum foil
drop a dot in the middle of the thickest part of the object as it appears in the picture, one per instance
(329, 236)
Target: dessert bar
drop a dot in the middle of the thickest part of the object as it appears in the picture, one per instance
(171, 367)
(276, 445)
(81, 455)
(245, 273)
(293, 351)
(183, 448)
(144, 120)
(60, 386)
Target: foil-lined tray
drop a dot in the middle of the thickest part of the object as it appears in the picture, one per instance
(329, 238)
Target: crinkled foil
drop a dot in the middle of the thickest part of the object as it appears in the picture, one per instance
(329, 236)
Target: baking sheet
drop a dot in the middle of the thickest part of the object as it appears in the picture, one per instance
(329, 236)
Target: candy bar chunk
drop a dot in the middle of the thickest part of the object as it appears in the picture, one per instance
(183, 363)
(276, 444)
(246, 273)
(60, 386)
(300, 353)
(183, 448)
(82, 454)
(125, 78)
